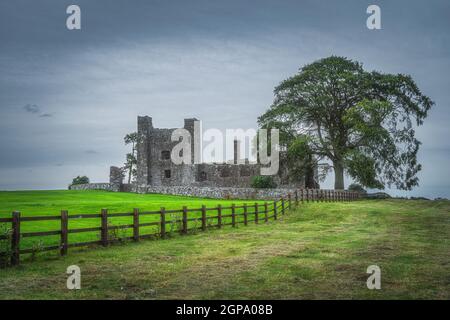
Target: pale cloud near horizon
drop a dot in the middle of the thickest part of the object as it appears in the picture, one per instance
(217, 62)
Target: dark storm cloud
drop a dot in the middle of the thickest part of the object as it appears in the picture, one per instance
(35, 109)
(215, 60)
(31, 108)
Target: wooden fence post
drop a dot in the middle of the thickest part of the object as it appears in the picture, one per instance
(136, 224)
(15, 239)
(301, 195)
(296, 197)
(233, 215)
(185, 222)
(64, 232)
(219, 215)
(289, 201)
(275, 210)
(266, 213)
(203, 217)
(307, 195)
(245, 215)
(282, 206)
(322, 195)
(163, 222)
(256, 213)
(104, 232)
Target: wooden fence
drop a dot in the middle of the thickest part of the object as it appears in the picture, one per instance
(249, 213)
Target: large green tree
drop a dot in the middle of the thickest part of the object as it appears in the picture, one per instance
(362, 122)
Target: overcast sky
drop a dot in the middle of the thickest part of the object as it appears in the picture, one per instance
(67, 98)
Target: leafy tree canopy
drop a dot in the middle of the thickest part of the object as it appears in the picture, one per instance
(80, 180)
(362, 121)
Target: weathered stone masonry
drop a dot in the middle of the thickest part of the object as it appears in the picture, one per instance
(155, 168)
(156, 173)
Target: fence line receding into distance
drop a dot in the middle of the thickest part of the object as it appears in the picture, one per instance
(248, 213)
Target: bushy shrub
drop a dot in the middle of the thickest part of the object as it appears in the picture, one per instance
(263, 182)
(356, 187)
(80, 180)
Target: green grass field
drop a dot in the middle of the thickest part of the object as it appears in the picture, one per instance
(50, 203)
(317, 251)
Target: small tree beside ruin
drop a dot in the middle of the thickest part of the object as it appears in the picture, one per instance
(131, 157)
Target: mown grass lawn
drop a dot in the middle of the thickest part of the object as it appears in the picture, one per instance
(318, 251)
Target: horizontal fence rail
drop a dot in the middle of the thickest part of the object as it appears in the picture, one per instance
(242, 214)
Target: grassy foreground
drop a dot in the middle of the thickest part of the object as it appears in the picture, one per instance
(319, 251)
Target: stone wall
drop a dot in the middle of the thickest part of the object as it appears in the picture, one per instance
(116, 178)
(125, 187)
(93, 186)
(222, 193)
(203, 192)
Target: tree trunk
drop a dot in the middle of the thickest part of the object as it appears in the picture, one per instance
(338, 175)
(129, 174)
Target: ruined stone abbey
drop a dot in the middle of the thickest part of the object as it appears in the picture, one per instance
(155, 168)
